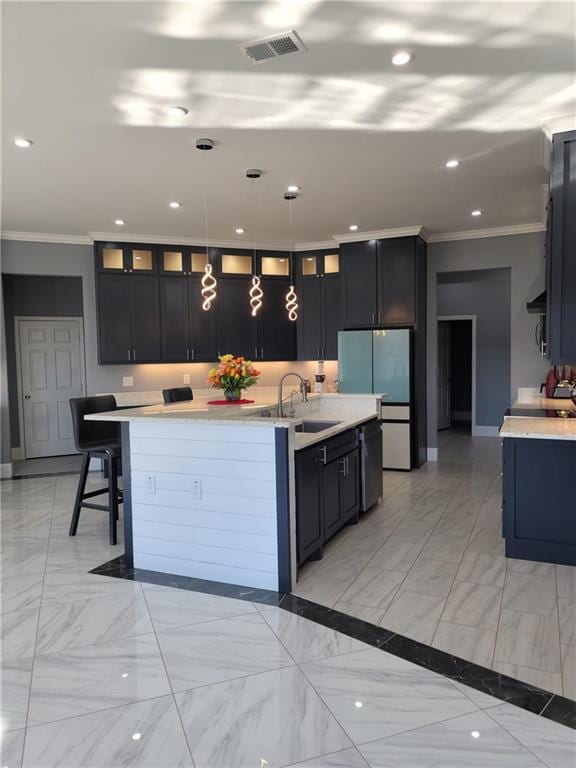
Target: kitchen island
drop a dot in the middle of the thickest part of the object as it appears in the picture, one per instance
(538, 499)
(209, 491)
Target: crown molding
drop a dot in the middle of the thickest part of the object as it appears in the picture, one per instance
(478, 234)
(559, 125)
(379, 234)
(44, 237)
(121, 237)
(321, 245)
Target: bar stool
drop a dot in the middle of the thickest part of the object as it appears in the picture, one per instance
(97, 440)
(177, 395)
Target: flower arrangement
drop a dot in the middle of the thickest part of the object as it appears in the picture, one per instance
(233, 374)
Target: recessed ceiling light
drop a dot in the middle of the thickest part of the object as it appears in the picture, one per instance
(119, 222)
(239, 231)
(293, 188)
(475, 734)
(358, 704)
(401, 58)
(23, 143)
(453, 163)
(174, 204)
(310, 258)
(476, 212)
(136, 736)
(353, 227)
(176, 111)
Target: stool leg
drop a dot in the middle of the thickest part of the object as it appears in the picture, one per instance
(79, 494)
(112, 499)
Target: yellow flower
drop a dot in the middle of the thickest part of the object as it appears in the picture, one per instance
(236, 375)
(226, 358)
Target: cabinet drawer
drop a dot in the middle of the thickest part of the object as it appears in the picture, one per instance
(395, 412)
(341, 445)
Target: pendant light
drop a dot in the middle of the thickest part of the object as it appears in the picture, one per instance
(291, 297)
(208, 281)
(256, 292)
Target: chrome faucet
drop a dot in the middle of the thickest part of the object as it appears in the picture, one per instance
(303, 391)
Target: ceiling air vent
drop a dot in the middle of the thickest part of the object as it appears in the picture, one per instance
(274, 46)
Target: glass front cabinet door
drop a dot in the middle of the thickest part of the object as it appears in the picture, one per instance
(114, 258)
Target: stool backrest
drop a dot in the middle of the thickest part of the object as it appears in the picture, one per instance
(88, 433)
(177, 395)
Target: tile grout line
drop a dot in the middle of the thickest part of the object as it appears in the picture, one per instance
(168, 679)
(525, 746)
(26, 725)
(559, 631)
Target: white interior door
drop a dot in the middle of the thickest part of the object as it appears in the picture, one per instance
(51, 355)
(444, 386)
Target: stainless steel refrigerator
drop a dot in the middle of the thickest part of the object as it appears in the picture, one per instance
(380, 362)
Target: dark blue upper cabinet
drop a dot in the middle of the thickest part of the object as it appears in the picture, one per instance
(561, 272)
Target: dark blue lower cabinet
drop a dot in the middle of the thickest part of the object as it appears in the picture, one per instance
(538, 499)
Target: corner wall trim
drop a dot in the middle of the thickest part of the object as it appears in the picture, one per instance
(46, 237)
(6, 470)
(432, 454)
(477, 234)
(485, 431)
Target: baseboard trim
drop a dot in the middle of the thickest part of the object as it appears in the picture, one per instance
(17, 454)
(432, 454)
(6, 470)
(485, 431)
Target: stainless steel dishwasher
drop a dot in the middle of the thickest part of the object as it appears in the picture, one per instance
(370, 436)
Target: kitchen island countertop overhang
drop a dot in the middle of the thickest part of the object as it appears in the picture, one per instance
(210, 490)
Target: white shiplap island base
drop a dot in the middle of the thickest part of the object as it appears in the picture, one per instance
(209, 490)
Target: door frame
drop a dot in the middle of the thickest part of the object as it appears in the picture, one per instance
(444, 318)
(20, 452)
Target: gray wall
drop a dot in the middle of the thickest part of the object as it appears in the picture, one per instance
(34, 296)
(524, 256)
(486, 294)
(31, 258)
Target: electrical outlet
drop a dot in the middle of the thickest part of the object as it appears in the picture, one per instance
(150, 484)
(127, 381)
(196, 489)
(186, 378)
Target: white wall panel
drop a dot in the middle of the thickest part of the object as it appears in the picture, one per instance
(227, 532)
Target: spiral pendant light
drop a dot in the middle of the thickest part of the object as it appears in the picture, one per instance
(208, 281)
(256, 293)
(291, 296)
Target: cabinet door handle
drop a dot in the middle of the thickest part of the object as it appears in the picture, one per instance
(129, 355)
(192, 356)
(255, 353)
(323, 454)
(347, 465)
(343, 469)
(187, 353)
(261, 353)
(133, 354)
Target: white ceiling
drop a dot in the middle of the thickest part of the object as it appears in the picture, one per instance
(367, 142)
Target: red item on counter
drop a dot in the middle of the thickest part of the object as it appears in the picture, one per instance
(230, 402)
(551, 382)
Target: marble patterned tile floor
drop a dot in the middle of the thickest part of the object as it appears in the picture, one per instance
(105, 673)
(429, 563)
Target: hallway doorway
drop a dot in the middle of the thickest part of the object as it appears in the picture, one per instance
(456, 390)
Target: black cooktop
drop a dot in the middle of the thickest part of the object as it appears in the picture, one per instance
(537, 413)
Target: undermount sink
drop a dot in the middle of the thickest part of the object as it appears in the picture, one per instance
(315, 426)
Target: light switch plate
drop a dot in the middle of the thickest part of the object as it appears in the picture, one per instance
(186, 378)
(127, 381)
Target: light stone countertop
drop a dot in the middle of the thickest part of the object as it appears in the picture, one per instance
(347, 410)
(539, 428)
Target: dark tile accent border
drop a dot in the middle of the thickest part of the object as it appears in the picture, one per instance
(507, 689)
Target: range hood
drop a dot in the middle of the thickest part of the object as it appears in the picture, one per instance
(538, 305)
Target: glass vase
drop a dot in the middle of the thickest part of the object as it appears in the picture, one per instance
(233, 394)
